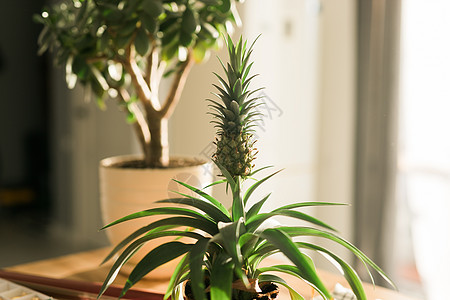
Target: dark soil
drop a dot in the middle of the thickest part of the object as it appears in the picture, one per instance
(174, 163)
(269, 291)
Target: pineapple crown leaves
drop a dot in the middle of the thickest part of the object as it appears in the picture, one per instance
(235, 115)
(237, 110)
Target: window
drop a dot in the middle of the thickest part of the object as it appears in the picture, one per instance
(424, 147)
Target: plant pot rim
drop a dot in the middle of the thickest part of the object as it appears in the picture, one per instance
(181, 162)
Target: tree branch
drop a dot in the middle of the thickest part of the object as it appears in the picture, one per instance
(154, 70)
(177, 87)
(142, 88)
(152, 60)
(140, 126)
(96, 59)
(157, 77)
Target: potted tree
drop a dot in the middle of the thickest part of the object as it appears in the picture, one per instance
(127, 50)
(222, 259)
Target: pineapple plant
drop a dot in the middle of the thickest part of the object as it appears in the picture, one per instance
(222, 258)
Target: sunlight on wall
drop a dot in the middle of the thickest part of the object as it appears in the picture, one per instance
(286, 58)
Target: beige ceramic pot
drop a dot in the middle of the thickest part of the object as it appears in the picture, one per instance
(127, 190)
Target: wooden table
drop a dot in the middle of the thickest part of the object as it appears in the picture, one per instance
(85, 266)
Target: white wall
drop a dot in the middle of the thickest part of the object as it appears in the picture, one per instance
(286, 57)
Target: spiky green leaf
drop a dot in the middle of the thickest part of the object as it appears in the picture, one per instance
(229, 234)
(211, 210)
(221, 277)
(159, 211)
(208, 197)
(349, 273)
(215, 183)
(293, 271)
(255, 209)
(149, 229)
(254, 222)
(135, 246)
(179, 270)
(305, 269)
(308, 204)
(196, 256)
(155, 258)
(307, 231)
(250, 191)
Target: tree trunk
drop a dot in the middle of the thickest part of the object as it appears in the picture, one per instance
(157, 154)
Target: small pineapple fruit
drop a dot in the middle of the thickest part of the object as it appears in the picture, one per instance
(234, 116)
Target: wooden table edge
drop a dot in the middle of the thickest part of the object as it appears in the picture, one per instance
(85, 266)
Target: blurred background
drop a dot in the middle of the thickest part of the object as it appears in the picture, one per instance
(356, 111)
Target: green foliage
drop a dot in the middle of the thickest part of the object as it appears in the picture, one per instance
(93, 34)
(229, 246)
(125, 49)
(227, 251)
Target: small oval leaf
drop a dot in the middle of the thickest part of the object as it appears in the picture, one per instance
(148, 22)
(200, 53)
(153, 7)
(141, 42)
(185, 39)
(189, 24)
